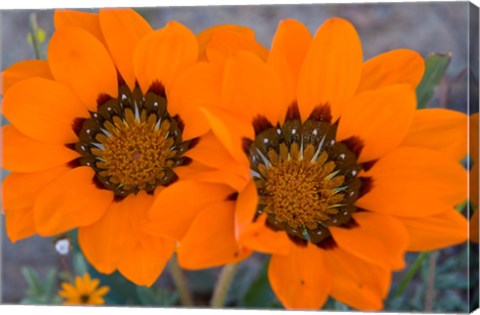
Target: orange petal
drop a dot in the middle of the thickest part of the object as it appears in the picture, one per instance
(473, 233)
(90, 284)
(415, 182)
(439, 129)
(102, 291)
(212, 153)
(474, 154)
(253, 88)
(162, 55)
(445, 229)
(140, 206)
(172, 213)
(380, 119)
(19, 223)
(196, 87)
(21, 189)
(198, 171)
(332, 68)
(106, 241)
(43, 110)
(144, 264)
(191, 170)
(219, 43)
(394, 67)
(23, 70)
(123, 29)
(210, 240)
(357, 283)
(68, 291)
(205, 36)
(23, 154)
(301, 279)
(289, 48)
(235, 181)
(257, 236)
(245, 207)
(230, 128)
(84, 20)
(379, 239)
(79, 60)
(71, 201)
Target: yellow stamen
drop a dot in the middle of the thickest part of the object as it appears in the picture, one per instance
(135, 155)
(299, 193)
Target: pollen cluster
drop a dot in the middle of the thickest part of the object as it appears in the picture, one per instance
(137, 152)
(306, 180)
(132, 142)
(298, 191)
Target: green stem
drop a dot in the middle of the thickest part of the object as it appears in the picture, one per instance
(66, 271)
(223, 285)
(180, 282)
(411, 272)
(33, 32)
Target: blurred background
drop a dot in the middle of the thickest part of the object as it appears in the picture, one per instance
(424, 27)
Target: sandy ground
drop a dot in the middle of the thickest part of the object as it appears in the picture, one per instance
(425, 27)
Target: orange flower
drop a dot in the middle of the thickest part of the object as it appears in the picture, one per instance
(220, 42)
(85, 291)
(99, 135)
(339, 174)
(474, 158)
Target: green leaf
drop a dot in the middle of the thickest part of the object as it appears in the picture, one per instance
(155, 297)
(40, 292)
(51, 285)
(122, 291)
(260, 294)
(417, 264)
(435, 67)
(451, 281)
(247, 272)
(79, 264)
(34, 285)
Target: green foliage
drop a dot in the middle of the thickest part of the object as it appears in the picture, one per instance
(245, 276)
(40, 292)
(122, 291)
(156, 297)
(450, 285)
(201, 281)
(259, 293)
(80, 266)
(435, 66)
(412, 271)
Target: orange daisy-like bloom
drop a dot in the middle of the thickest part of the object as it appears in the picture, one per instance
(474, 158)
(98, 140)
(339, 174)
(85, 291)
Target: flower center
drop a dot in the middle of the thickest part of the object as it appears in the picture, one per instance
(132, 143)
(306, 180)
(301, 192)
(84, 298)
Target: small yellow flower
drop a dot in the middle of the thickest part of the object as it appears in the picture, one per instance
(85, 291)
